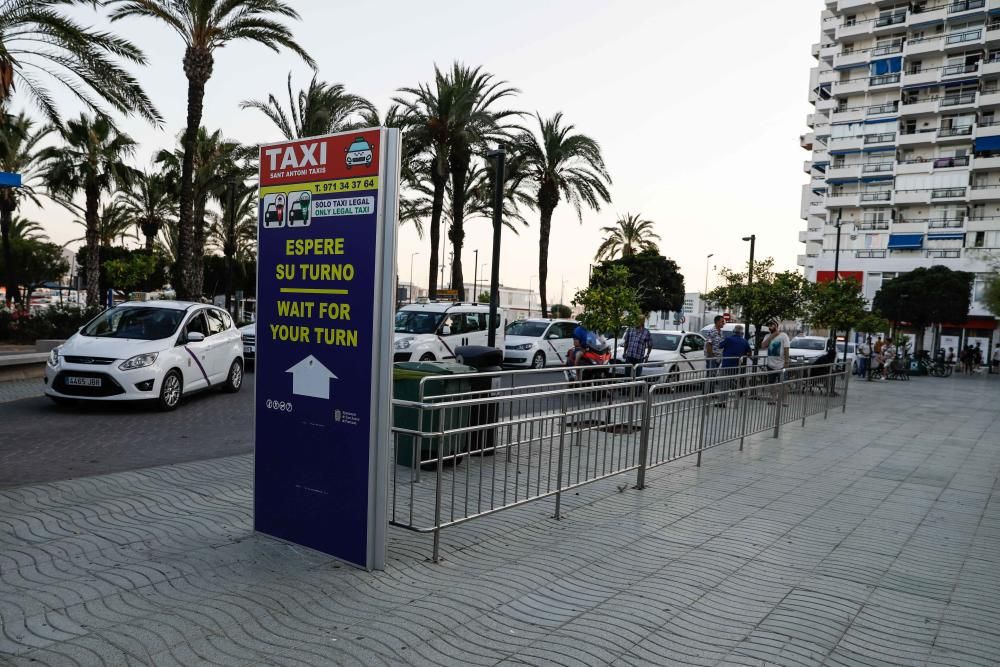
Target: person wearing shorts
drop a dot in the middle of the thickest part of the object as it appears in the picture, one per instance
(777, 345)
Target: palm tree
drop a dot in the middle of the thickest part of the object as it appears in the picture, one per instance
(149, 203)
(216, 160)
(166, 242)
(561, 165)
(630, 235)
(27, 230)
(234, 232)
(114, 224)
(38, 42)
(90, 160)
(204, 26)
(323, 108)
(19, 155)
(446, 123)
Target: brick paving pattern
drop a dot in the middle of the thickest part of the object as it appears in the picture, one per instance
(16, 390)
(872, 538)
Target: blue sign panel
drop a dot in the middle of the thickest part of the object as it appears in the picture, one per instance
(9, 180)
(326, 220)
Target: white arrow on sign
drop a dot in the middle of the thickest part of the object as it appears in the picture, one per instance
(311, 378)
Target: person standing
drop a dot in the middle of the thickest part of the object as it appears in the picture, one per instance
(735, 349)
(713, 348)
(864, 356)
(776, 344)
(637, 342)
(879, 345)
(996, 359)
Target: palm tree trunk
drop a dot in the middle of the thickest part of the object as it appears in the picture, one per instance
(456, 234)
(198, 242)
(437, 208)
(229, 282)
(198, 68)
(545, 227)
(92, 219)
(10, 271)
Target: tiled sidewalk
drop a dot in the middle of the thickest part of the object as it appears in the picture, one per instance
(871, 538)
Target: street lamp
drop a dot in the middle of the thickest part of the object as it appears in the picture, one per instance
(704, 301)
(410, 290)
(475, 279)
(747, 316)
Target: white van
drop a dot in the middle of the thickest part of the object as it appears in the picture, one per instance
(431, 331)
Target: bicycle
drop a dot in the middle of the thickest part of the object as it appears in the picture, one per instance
(937, 369)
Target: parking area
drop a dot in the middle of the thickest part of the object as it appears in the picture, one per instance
(42, 442)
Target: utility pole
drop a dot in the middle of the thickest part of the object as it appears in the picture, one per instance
(499, 156)
(704, 301)
(475, 279)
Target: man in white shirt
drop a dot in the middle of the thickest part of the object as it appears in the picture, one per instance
(777, 345)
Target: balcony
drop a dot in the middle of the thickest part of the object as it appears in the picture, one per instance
(916, 47)
(806, 140)
(883, 138)
(882, 109)
(923, 136)
(984, 193)
(948, 193)
(989, 97)
(880, 197)
(847, 143)
(816, 208)
(884, 80)
(958, 70)
(878, 168)
(986, 163)
(988, 129)
(889, 20)
(918, 165)
(869, 254)
(841, 200)
(963, 38)
(919, 77)
(951, 101)
(963, 6)
(946, 223)
(872, 225)
(850, 86)
(958, 132)
(844, 171)
(943, 254)
(919, 106)
(920, 196)
(849, 58)
(949, 162)
(848, 114)
(827, 104)
(990, 67)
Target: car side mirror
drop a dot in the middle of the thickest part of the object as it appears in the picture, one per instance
(195, 337)
(446, 330)
(686, 348)
(553, 336)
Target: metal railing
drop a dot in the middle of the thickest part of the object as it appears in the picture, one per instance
(869, 254)
(962, 37)
(469, 453)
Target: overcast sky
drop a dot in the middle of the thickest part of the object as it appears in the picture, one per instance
(698, 108)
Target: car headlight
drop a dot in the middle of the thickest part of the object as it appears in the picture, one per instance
(403, 343)
(138, 361)
(54, 357)
(526, 346)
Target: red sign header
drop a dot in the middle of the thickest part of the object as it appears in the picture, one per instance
(320, 159)
(827, 276)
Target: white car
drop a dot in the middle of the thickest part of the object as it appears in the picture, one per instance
(431, 331)
(804, 349)
(675, 351)
(148, 350)
(852, 356)
(537, 343)
(359, 153)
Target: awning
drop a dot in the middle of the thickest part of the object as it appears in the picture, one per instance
(838, 181)
(847, 151)
(887, 66)
(987, 144)
(844, 68)
(946, 236)
(906, 241)
(879, 149)
(879, 120)
(875, 179)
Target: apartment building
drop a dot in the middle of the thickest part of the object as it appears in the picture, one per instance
(905, 143)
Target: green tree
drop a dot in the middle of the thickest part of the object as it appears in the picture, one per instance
(234, 231)
(629, 236)
(561, 165)
(657, 280)
(925, 296)
(447, 122)
(836, 305)
(773, 296)
(90, 160)
(610, 306)
(38, 262)
(130, 273)
(114, 224)
(149, 203)
(22, 228)
(872, 323)
(19, 154)
(484, 297)
(323, 108)
(559, 310)
(205, 26)
(991, 296)
(39, 44)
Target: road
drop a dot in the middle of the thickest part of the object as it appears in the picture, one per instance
(42, 442)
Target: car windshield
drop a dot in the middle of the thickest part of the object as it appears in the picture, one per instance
(137, 322)
(850, 348)
(528, 329)
(417, 322)
(667, 342)
(808, 344)
(358, 146)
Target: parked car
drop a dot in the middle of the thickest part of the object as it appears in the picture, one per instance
(149, 350)
(804, 349)
(852, 356)
(537, 343)
(674, 352)
(248, 333)
(431, 331)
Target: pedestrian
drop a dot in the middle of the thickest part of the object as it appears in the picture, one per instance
(977, 356)
(996, 359)
(879, 344)
(713, 347)
(864, 356)
(967, 359)
(735, 348)
(951, 356)
(637, 342)
(776, 344)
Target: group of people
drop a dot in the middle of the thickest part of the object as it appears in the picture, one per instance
(971, 358)
(874, 358)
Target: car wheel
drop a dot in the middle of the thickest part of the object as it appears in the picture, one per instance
(538, 361)
(235, 378)
(170, 391)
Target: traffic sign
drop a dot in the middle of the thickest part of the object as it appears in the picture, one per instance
(9, 180)
(325, 282)
(726, 316)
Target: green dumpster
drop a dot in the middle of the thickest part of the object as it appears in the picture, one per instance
(406, 377)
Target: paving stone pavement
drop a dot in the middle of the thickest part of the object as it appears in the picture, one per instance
(16, 390)
(871, 538)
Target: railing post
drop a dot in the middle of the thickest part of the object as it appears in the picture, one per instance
(437, 489)
(831, 384)
(704, 414)
(647, 416)
(847, 381)
(559, 461)
(743, 396)
(779, 401)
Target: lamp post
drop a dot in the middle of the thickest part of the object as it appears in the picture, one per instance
(704, 301)
(748, 316)
(498, 156)
(530, 292)
(836, 278)
(475, 279)
(410, 290)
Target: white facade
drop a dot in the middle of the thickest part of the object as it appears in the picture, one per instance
(905, 142)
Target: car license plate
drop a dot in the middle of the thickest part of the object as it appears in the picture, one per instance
(83, 382)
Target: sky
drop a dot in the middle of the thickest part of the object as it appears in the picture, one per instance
(698, 109)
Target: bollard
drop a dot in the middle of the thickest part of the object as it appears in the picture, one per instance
(559, 462)
(779, 402)
(640, 480)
